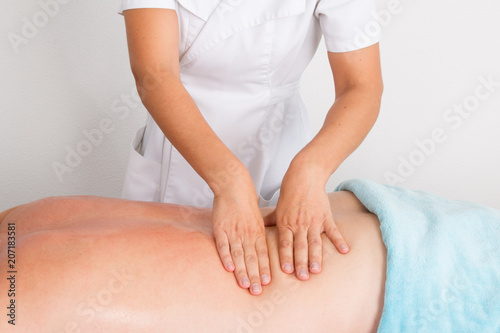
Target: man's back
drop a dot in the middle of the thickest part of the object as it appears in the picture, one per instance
(95, 264)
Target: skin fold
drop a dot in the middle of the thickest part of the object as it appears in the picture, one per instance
(91, 264)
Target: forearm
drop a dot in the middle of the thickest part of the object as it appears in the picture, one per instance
(179, 118)
(347, 124)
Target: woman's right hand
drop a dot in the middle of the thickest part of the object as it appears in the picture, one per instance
(239, 233)
(238, 227)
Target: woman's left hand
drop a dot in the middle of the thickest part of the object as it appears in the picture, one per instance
(302, 213)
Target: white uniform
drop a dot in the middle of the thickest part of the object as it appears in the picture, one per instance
(241, 61)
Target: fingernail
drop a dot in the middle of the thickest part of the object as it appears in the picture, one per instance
(255, 288)
(245, 281)
(265, 279)
(303, 273)
(314, 266)
(230, 266)
(344, 248)
(288, 267)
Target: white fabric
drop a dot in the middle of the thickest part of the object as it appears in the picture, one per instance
(241, 61)
(348, 25)
(133, 4)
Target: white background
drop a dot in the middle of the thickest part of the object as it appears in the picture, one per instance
(66, 78)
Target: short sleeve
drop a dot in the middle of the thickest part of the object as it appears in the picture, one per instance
(132, 4)
(348, 25)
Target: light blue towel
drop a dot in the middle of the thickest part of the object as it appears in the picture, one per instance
(443, 260)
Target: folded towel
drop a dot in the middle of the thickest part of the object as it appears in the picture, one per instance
(443, 260)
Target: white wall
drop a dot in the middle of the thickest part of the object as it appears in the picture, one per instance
(72, 75)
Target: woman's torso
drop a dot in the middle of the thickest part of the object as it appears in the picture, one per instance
(241, 61)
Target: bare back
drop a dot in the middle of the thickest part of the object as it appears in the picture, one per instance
(87, 264)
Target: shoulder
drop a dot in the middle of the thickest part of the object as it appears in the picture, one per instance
(44, 213)
(4, 214)
(19, 213)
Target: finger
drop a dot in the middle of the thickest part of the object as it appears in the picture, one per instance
(263, 256)
(285, 239)
(240, 271)
(335, 236)
(301, 250)
(222, 245)
(315, 250)
(252, 267)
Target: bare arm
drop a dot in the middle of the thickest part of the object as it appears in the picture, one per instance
(238, 228)
(358, 93)
(153, 39)
(303, 212)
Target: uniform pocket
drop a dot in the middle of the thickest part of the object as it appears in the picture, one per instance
(142, 178)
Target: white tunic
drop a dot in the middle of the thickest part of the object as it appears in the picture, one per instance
(241, 61)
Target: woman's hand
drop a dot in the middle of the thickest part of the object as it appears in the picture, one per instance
(302, 213)
(240, 237)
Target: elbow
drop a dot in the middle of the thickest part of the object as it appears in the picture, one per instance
(378, 91)
(380, 88)
(150, 78)
(372, 90)
(375, 88)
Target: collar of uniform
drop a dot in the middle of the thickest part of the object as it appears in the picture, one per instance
(201, 8)
(248, 14)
